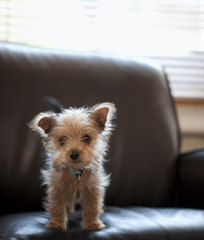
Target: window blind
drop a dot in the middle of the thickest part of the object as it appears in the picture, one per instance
(169, 31)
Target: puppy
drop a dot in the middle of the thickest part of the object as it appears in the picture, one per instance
(76, 141)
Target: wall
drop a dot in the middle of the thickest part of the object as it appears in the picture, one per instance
(191, 121)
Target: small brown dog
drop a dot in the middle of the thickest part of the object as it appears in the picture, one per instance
(76, 141)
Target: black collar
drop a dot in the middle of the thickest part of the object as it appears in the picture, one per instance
(77, 173)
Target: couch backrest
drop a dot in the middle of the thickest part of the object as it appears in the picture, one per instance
(144, 145)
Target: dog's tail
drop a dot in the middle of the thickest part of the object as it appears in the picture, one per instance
(53, 104)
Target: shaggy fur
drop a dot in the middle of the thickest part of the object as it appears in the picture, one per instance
(81, 131)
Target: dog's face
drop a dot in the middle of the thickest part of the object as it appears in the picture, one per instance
(72, 137)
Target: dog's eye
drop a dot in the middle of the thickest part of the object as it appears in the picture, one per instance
(62, 140)
(86, 138)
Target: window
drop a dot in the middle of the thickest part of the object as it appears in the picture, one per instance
(170, 31)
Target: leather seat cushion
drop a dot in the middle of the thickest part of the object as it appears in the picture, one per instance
(122, 223)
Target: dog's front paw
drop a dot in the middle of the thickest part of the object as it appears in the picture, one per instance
(54, 225)
(94, 225)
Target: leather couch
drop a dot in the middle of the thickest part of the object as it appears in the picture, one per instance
(155, 192)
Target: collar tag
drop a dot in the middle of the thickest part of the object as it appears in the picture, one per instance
(77, 173)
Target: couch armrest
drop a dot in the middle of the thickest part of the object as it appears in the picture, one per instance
(191, 179)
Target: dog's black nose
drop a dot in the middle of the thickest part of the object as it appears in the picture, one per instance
(74, 155)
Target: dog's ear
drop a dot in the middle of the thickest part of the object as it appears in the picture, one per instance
(43, 123)
(100, 117)
(46, 123)
(102, 114)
